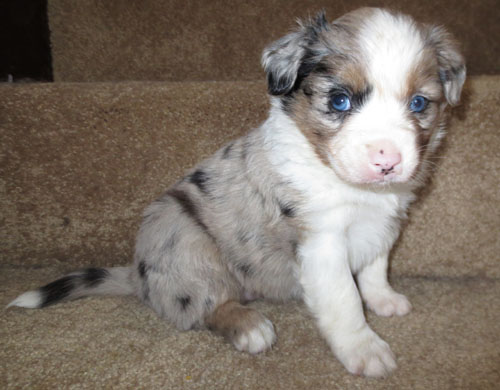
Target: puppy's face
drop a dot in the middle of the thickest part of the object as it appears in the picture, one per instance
(368, 91)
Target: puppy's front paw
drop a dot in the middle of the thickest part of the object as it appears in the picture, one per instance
(257, 339)
(366, 354)
(387, 303)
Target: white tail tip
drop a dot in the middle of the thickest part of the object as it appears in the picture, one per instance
(30, 300)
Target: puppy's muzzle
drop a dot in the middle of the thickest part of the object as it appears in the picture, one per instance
(384, 159)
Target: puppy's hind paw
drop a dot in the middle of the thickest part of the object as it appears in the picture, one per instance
(247, 329)
(257, 339)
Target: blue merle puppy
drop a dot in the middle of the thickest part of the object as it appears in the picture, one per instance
(306, 205)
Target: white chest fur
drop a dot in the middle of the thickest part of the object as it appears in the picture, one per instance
(364, 221)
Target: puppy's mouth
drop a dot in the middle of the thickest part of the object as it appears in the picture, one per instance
(382, 174)
(382, 179)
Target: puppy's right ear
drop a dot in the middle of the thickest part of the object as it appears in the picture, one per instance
(290, 59)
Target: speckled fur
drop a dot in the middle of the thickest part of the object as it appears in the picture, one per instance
(227, 231)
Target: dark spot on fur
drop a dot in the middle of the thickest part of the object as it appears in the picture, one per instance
(184, 201)
(286, 103)
(287, 210)
(322, 68)
(456, 70)
(308, 64)
(308, 92)
(243, 236)
(360, 98)
(169, 243)
(444, 76)
(189, 208)
(145, 291)
(143, 273)
(142, 269)
(92, 277)
(244, 150)
(184, 301)
(199, 178)
(66, 221)
(277, 86)
(209, 304)
(227, 151)
(245, 269)
(57, 290)
(62, 288)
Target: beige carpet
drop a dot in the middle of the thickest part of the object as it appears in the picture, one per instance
(450, 341)
(78, 162)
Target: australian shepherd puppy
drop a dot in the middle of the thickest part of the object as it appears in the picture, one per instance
(308, 205)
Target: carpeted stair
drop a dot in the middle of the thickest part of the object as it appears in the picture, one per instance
(80, 159)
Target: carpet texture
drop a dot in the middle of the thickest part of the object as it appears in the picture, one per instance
(105, 40)
(79, 162)
(450, 341)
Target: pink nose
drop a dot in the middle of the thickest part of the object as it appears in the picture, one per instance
(384, 157)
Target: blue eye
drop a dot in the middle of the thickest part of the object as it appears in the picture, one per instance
(418, 103)
(341, 102)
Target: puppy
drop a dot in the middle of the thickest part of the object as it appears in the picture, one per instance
(308, 202)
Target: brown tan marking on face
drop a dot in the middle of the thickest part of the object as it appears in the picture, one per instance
(311, 108)
(342, 70)
(352, 75)
(308, 123)
(423, 80)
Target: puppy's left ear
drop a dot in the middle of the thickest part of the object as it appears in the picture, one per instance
(291, 58)
(451, 63)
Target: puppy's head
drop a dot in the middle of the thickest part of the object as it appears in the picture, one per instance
(368, 91)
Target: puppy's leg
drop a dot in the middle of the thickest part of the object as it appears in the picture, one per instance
(331, 294)
(376, 291)
(245, 327)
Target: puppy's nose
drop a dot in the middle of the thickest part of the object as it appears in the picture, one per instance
(384, 157)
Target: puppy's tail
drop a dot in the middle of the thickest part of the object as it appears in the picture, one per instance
(90, 281)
